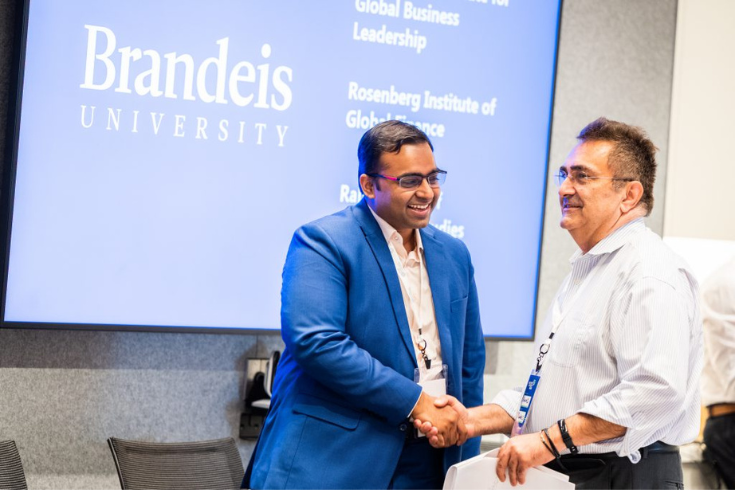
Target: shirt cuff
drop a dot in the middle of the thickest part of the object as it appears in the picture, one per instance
(414, 406)
(508, 400)
(631, 440)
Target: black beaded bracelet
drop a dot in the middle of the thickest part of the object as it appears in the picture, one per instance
(566, 437)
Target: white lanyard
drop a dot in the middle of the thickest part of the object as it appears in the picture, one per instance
(418, 338)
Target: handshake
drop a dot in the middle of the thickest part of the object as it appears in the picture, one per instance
(444, 420)
(447, 422)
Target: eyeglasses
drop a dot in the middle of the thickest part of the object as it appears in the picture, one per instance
(581, 178)
(412, 181)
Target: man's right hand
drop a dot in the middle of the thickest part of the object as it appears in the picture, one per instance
(446, 427)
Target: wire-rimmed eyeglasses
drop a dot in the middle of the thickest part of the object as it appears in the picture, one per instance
(581, 178)
(411, 181)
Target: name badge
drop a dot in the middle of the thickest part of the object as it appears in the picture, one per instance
(528, 394)
(435, 387)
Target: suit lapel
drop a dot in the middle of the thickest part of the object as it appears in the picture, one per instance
(377, 243)
(436, 267)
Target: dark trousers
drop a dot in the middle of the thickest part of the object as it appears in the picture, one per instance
(719, 436)
(592, 471)
(420, 466)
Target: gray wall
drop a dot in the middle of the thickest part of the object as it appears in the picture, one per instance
(62, 393)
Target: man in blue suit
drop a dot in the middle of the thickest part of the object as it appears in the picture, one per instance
(379, 315)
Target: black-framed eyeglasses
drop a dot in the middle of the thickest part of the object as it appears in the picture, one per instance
(581, 178)
(412, 181)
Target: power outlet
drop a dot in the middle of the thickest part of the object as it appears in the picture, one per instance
(250, 425)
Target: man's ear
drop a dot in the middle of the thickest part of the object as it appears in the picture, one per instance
(633, 195)
(368, 186)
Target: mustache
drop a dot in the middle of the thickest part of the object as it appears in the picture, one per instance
(566, 202)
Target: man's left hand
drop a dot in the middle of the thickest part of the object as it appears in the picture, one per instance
(519, 454)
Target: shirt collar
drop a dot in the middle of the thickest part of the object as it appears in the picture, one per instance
(389, 233)
(614, 240)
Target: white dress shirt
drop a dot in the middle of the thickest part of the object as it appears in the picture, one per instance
(628, 348)
(718, 308)
(417, 297)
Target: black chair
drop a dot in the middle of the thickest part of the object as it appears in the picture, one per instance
(180, 465)
(12, 476)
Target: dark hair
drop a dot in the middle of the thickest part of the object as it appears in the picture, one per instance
(632, 156)
(386, 137)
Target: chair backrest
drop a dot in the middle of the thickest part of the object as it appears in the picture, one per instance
(12, 476)
(191, 465)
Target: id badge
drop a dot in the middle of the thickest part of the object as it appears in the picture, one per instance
(433, 384)
(533, 380)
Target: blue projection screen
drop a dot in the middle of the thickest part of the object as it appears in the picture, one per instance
(168, 150)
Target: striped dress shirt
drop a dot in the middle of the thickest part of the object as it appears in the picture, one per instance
(628, 348)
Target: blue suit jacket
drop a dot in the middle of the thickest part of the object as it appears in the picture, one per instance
(344, 386)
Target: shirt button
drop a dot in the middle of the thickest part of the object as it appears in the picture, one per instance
(403, 427)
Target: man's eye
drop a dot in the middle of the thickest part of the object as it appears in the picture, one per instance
(581, 176)
(411, 181)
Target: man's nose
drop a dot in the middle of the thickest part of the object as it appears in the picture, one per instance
(566, 188)
(425, 189)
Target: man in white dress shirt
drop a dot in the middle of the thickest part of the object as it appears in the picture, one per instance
(614, 386)
(718, 376)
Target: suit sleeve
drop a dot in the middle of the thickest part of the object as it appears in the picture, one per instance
(473, 360)
(313, 319)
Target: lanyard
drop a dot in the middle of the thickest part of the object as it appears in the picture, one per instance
(420, 341)
(557, 317)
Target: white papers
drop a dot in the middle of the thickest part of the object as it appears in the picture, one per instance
(479, 473)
